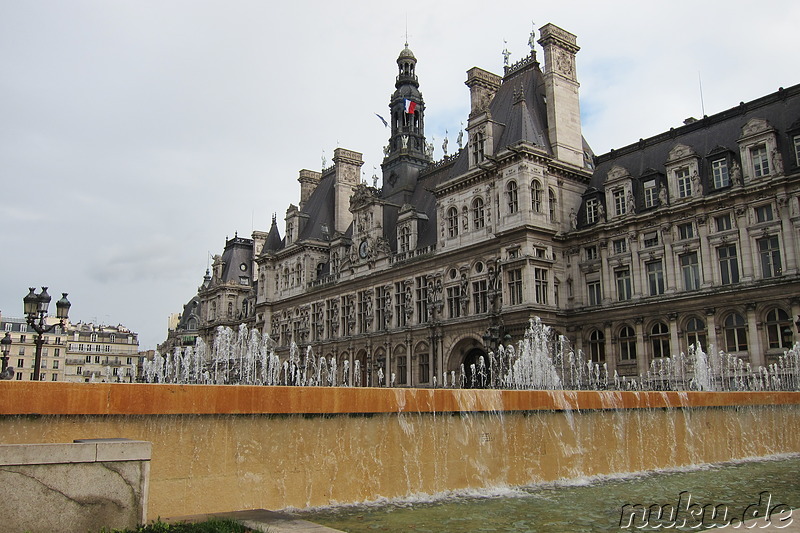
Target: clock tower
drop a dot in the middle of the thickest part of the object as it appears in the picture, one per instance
(407, 152)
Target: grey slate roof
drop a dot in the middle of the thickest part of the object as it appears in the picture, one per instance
(706, 136)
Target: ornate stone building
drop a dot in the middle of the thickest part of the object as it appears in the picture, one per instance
(691, 235)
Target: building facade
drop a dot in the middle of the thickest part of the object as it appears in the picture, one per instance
(689, 236)
(101, 353)
(23, 349)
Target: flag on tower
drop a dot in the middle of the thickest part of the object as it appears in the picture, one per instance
(410, 106)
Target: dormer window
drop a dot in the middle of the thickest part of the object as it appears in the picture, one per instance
(404, 239)
(719, 169)
(619, 202)
(478, 148)
(760, 159)
(684, 182)
(650, 193)
(797, 150)
(591, 210)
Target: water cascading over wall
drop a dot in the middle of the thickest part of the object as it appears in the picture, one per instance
(222, 448)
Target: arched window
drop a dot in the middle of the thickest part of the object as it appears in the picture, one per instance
(696, 332)
(477, 148)
(452, 222)
(659, 337)
(779, 329)
(512, 197)
(536, 196)
(627, 344)
(478, 213)
(551, 200)
(597, 346)
(735, 333)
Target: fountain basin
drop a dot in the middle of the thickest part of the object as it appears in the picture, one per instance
(227, 448)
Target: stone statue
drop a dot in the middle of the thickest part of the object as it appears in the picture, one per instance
(460, 139)
(777, 162)
(631, 203)
(697, 186)
(444, 143)
(429, 150)
(324, 161)
(601, 212)
(386, 151)
(736, 174)
(573, 219)
(532, 38)
(662, 195)
(404, 141)
(506, 54)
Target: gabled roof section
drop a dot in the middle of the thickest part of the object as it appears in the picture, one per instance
(319, 211)
(520, 105)
(274, 241)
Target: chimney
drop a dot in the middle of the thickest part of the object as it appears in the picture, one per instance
(482, 87)
(348, 174)
(309, 180)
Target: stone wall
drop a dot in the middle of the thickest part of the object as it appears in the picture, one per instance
(227, 448)
(84, 486)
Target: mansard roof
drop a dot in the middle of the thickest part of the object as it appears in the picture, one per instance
(520, 106)
(238, 251)
(707, 136)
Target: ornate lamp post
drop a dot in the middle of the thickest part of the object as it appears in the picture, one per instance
(6, 347)
(35, 306)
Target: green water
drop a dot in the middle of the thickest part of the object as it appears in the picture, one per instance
(595, 504)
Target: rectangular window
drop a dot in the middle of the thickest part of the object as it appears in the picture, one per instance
(330, 317)
(515, 286)
(620, 246)
(382, 295)
(690, 267)
(760, 161)
(769, 250)
(540, 285)
(54, 377)
(362, 311)
(422, 300)
(591, 211)
(651, 239)
(764, 213)
(57, 352)
(424, 367)
(96, 358)
(650, 193)
(399, 304)
(454, 302)
(655, 277)
(55, 365)
(591, 253)
(728, 264)
(22, 350)
(9, 326)
(623, 278)
(480, 297)
(20, 363)
(684, 182)
(797, 149)
(402, 370)
(723, 222)
(594, 290)
(22, 338)
(719, 169)
(685, 231)
(619, 202)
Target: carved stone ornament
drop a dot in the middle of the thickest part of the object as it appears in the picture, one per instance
(564, 63)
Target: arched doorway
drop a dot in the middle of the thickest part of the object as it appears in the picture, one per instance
(477, 371)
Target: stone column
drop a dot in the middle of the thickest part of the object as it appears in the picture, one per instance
(755, 344)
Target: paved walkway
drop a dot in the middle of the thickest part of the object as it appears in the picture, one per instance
(261, 520)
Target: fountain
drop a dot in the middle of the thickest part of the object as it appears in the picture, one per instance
(233, 426)
(540, 361)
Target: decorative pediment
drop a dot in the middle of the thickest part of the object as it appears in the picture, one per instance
(755, 126)
(363, 196)
(680, 152)
(617, 173)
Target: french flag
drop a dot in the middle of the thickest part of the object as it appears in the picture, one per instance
(410, 106)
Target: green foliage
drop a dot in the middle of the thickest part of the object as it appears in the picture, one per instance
(210, 526)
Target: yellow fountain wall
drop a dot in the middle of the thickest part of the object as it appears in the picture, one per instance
(223, 448)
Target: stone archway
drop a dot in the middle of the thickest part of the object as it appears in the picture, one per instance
(475, 375)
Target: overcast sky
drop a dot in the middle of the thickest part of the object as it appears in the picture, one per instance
(135, 136)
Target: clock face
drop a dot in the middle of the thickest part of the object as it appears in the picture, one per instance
(243, 267)
(362, 249)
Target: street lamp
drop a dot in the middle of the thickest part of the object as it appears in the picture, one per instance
(35, 307)
(6, 348)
